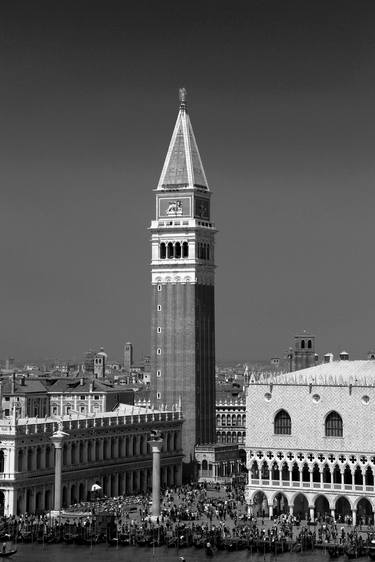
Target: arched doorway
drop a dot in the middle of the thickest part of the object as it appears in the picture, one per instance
(47, 500)
(364, 512)
(301, 507)
(38, 502)
(260, 505)
(73, 494)
(280, 504)
(343, 510)
(29, 494)
(322, 509)
(242, 455)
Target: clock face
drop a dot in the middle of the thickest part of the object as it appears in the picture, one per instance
(202, 209)
(174, 207)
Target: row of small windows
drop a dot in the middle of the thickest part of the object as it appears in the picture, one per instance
(176, 250)
(231, 420)
(231, 437)
(333, 424)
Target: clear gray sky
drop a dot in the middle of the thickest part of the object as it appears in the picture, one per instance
(281, 98)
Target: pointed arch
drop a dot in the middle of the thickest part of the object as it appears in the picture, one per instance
(282, 423)
(333, 425)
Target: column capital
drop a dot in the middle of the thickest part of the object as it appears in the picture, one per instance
(58, 437)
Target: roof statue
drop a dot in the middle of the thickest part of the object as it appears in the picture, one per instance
(183, 165)
(182, 95)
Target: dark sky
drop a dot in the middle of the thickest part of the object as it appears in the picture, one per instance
(281, 98)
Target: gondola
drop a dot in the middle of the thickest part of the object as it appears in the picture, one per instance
(8, 553)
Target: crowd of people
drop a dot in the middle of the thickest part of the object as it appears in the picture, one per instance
(196, 514)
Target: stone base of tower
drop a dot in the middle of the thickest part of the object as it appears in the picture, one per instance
(217, 462)
(189, 471)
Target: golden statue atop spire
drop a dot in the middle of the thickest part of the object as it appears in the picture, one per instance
(182, 94)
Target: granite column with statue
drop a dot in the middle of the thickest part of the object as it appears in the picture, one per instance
(156, 442)
(57, 439)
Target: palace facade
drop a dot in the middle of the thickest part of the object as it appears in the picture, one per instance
(310, 442)
(109, 449)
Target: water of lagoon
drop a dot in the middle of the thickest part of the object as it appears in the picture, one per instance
(104, 553)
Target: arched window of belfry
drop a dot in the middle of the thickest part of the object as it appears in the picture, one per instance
(185, 250)
(177, 250)
(170, 250)
(309, 344)
(163, 251)
(302, 344)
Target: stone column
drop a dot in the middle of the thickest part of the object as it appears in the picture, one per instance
(312, 513)
(57, 439)
(333, 514)
(354, 517)
(156, 443)
(321, 478)
(270, 510)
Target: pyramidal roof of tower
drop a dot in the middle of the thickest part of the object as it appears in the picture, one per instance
(183, 165)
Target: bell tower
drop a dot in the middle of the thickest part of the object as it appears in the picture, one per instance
(183, 285)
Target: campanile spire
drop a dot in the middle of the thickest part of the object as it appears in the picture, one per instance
(183, 166)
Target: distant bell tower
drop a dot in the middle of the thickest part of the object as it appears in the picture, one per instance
(128, 356)
(183, 285)
(304, 355)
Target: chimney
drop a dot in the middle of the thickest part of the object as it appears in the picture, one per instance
(91, 386)
(344, 356)
(1, 399)
(13, 383)
(81, 381)
(328, 358)
(23, 380)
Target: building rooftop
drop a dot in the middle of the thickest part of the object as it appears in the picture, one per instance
(335, 373)
(24, 386)
(74, 385)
